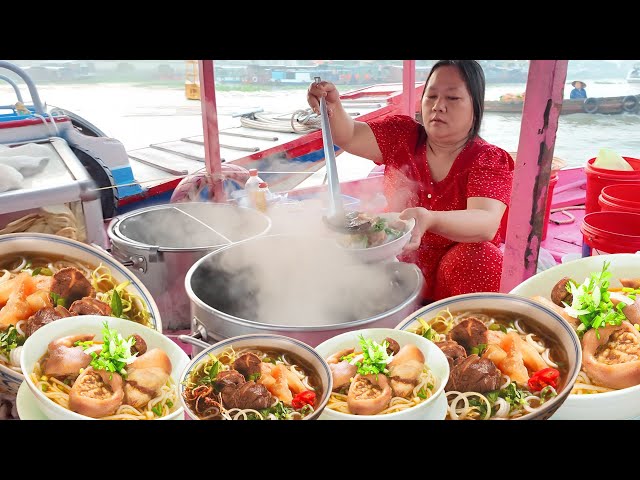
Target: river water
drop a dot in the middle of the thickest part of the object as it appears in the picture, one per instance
(140, 115)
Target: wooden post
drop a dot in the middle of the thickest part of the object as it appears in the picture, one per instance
(409, 87)
(543, 101)
(210, 129)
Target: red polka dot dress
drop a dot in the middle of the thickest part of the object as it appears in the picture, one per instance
(480, 170)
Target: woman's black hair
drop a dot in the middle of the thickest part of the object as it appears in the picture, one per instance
(473, 77)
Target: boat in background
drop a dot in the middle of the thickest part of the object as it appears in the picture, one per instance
(285, 147)
(607, 105)
(634, 75)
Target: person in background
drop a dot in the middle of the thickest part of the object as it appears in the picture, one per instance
(441, 172)
(578, 90)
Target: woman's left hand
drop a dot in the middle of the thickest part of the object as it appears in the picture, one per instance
(424, 221)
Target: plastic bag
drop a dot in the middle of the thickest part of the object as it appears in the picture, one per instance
(610, 160)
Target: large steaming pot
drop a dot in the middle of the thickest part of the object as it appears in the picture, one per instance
(159, 244)
(295, 286)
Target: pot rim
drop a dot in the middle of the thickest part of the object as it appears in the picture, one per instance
(115, 236)
(290, 328)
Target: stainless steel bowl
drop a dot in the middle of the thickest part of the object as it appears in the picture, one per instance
(297, 286)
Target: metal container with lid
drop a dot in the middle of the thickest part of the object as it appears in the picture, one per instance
(160, 243)
(297, 286)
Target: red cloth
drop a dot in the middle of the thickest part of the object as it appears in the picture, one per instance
(480, 170)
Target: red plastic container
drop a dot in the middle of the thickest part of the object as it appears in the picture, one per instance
(598, 178)
(621, 197)
(611, 232)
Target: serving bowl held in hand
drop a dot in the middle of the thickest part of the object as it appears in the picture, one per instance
(389, 250)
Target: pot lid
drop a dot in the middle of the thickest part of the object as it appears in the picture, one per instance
(198, 225)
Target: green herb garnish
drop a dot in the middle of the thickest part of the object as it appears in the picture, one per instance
(422, 393)
(10, 339)
(116, 304)
(58, 300)
(591, 303)
(479, 349)
(374, 357)
(157, 409)
(115, 353)
(254, 377)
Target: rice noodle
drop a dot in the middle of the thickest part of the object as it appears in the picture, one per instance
(516, 323)
(537, 345)
(548, 361)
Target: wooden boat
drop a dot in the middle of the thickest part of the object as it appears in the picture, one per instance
(606, 105)
(285, 147)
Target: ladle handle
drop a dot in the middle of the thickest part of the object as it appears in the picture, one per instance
(336, 208)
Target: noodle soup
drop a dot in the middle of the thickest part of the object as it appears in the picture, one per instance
(37, 288)
(383, 373)
(517, 360)
(103, 368)
(256, 377)
(608, 386)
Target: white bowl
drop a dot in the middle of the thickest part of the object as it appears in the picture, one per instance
(387, 251)
(36, 346)
(14, 243)
(433, 408)
(259, 340)
(617, 405)
(540, 314)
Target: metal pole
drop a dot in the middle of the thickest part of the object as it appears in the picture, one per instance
(210, 129)
(544, 92)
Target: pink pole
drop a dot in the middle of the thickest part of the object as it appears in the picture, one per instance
(543, 102)
(210, 129)
(409, 87)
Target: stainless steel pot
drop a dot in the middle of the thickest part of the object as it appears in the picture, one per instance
(160, 243)
(261, 286)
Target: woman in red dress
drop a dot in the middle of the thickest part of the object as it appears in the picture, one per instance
(455, 184)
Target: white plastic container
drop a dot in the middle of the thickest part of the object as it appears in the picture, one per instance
(251, 186)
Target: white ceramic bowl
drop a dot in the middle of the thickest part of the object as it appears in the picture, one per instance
(36, 346)
(517, 305)
(387, 251)
(259, 340)
(14, 243)
(434, 408)
(617, 405)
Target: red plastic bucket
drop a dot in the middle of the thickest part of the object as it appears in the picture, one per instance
(598, 178)
(621, 197)
(611, 232)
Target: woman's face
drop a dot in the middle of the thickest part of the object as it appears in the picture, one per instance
(447, 107)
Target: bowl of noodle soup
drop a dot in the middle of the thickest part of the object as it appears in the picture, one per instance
(146, 388)
(256, 377)
(510, 357)
(590, 399)
(409, 385)
(36, 258)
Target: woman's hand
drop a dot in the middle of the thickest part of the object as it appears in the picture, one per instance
(323, 89)
(424, 221)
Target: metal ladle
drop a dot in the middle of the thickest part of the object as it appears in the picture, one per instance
(336, 219)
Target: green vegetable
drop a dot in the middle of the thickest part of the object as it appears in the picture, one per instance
(41, 271)
(379, 225)
(209, 378)
(10, 339)
(115, 354)
(591, 303)
(58, 300)
(479, 349)
(254, 377)
(374, 357)
(116, 304)
(169, 403)
(157, 409)
(429, 333)
(422, 393)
